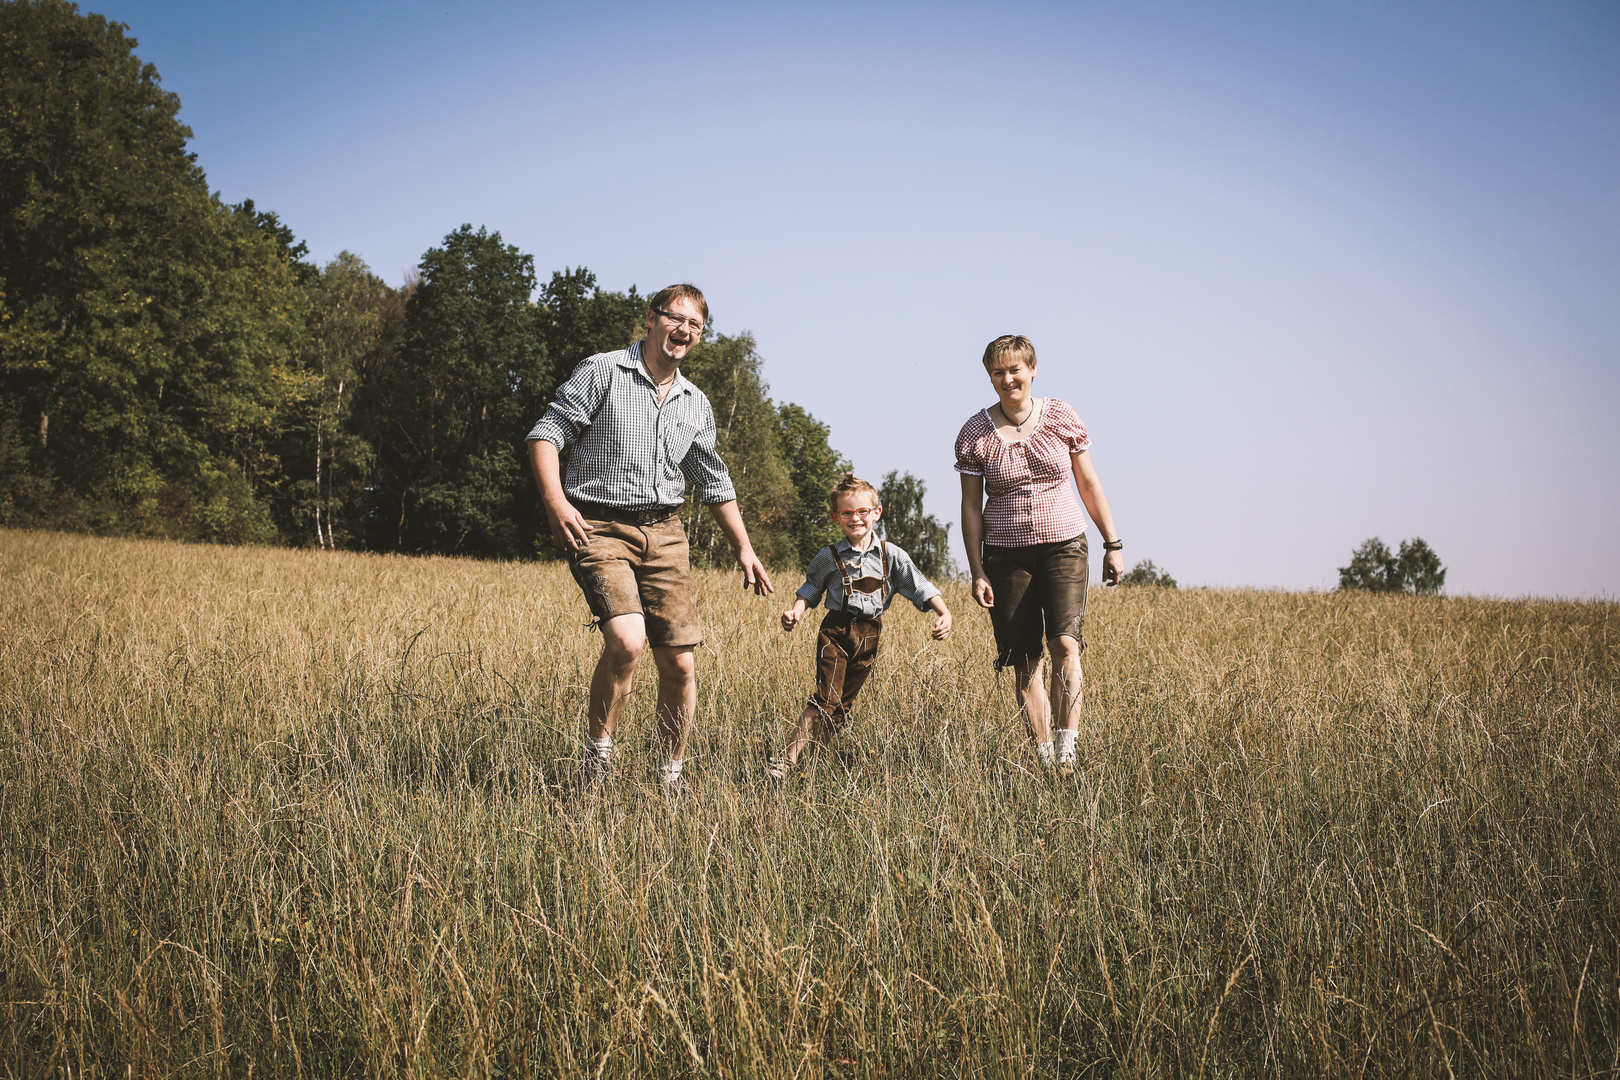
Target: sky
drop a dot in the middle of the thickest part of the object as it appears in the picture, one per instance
(1309, 273)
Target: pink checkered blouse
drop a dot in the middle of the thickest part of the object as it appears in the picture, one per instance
(1029, 497)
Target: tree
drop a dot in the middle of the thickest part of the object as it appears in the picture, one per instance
(148, 331)
(814, 467)
(354, 324)
(727, 369)
(1374, 568)
(904, 523)
(1145, 573)
(448, 419)
(575, 318)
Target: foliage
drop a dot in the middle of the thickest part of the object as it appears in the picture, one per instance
(1145, 573)
(1374, 568)
(448, 416)
(148, 332)
(727, 369)
(921, 534)
(577, 319)
(269, 812)
(815, 467)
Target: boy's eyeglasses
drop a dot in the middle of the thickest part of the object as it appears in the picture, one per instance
(679, 320)
(861, 512)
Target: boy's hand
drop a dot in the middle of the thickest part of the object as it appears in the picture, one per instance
(942, 627)
(791, 617)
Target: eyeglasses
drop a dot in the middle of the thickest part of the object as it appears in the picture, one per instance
(862, 512)
(680, 320)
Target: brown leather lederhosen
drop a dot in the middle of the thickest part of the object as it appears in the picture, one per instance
(846, 646)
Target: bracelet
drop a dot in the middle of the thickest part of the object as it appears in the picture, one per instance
(1113, 545)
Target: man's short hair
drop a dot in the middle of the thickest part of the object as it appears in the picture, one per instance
(850, 485)
(1009, 347)
(671, 293)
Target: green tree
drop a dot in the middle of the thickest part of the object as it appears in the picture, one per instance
(905, 523)
(148, 331)
(814, 467)
(1145, 573)
(354, 324)
(576, 319)
(448, 419)
(727, 369)
(1374, 568)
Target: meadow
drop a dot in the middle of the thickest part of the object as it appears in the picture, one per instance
(271, 812)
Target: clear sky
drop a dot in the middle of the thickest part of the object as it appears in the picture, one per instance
(1309, 272)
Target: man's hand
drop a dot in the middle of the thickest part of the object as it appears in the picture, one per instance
(568, 526)
(754, 575)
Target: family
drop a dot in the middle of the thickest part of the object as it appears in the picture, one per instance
(613, 456)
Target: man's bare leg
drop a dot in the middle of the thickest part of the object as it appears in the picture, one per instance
(623, 639)
(677, 703)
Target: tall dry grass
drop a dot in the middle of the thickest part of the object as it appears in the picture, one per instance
(313, 814)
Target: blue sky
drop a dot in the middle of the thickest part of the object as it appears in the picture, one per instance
(1309, 272)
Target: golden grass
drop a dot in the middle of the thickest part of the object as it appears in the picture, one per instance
(310, 814)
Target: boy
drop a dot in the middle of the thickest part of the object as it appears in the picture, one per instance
(860, 578)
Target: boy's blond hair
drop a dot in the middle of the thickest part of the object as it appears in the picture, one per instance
(850, 484)
(1009, 347)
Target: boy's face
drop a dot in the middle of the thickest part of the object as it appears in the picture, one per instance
(857, 513)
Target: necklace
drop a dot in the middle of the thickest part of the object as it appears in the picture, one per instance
(1018, 426)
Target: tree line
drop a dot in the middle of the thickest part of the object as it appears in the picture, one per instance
(173, 365)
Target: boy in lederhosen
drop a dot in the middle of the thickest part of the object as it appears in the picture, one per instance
(860, 576)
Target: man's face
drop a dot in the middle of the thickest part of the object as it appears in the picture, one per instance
(669, 339)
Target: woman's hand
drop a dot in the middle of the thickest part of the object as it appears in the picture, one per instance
(1113, 567)
(983, 593)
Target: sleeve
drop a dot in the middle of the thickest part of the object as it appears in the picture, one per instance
(576, 404)
(704, 469)
(816, 578)
(1070, 429)
(969, 449)
(907, 580)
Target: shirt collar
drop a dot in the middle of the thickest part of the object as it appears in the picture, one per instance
(632, 361)
(844, 545)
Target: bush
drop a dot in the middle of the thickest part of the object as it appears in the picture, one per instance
(1145, 573)
(1414, 569)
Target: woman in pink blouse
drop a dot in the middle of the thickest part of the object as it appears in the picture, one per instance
(1026, 539)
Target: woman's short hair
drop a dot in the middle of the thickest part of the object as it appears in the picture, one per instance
(671, 293)
(850, 485)
(1009, 347)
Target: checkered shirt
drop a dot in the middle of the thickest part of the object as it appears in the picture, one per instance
(1029, 493)
(824, 575)
(623, 450)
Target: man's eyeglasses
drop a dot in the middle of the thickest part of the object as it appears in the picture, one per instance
(862, 512)
(680, 320)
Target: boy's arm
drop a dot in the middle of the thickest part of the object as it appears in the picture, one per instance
(791, 617)
(942, 624)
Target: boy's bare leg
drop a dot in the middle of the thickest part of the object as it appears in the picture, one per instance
(677, 697)
(812, 728)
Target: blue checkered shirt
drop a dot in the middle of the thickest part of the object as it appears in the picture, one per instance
(825, 574)
(622, 449)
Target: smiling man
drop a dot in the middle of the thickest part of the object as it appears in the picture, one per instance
(635, 432)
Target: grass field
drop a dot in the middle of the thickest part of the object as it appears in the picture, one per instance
(290, 813)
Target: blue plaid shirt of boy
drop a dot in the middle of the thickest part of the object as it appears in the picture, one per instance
(622, 449)
(824, 575)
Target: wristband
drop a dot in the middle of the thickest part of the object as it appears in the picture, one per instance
(1113, 545)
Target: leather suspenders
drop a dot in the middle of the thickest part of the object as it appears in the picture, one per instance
(862, 584)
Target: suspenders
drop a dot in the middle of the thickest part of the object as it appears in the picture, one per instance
(849, 583)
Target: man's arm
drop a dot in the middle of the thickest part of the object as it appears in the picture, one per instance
(568, 527)
(731, 523)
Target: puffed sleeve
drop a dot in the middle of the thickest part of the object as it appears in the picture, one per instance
(1066, 424)
(970, 447)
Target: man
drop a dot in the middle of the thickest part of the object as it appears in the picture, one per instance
(635, 432)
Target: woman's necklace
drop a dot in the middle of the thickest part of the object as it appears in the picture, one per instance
(1018, 426)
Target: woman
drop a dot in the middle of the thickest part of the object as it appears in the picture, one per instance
(1026, 545)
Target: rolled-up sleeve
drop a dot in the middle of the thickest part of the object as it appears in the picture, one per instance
(817, 576)
(908, 581)
(576, 403)
(704, 469)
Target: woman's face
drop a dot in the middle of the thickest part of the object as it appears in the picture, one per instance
(1011, 377)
